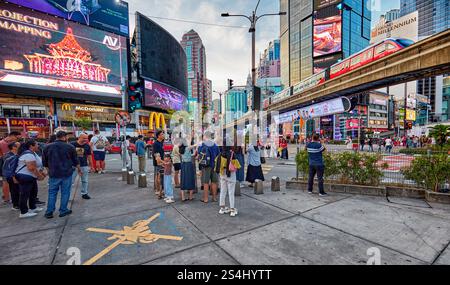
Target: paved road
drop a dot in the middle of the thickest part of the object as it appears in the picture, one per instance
(287, 227)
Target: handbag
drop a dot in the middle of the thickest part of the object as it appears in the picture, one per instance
(263, 160)
(231, 167)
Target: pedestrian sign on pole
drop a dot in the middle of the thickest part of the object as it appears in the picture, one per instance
(122, 118)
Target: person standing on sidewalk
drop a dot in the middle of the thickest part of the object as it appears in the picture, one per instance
(188, 177)
(60, 158)
(208, 152)
(158, 156)
(83, 150)
(316, 166)
(29, 170)
(168, 187)
(99, 144)
(254, 170)
(176, 159)
(4, 143)
(140, 152)
(226, 165)
(388, 144)
(8, 173)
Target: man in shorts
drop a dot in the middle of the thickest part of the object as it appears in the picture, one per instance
(207, 153)
(99, 144)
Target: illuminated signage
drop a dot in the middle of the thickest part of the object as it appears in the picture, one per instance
(80, 108)
(164, 97)
(410, 115)
(157, 121)
(59, 54)
(110, 15)
(24, 122)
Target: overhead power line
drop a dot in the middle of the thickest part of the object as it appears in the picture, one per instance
(199, 23)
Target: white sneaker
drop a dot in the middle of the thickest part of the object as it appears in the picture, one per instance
(27, 215)
(170, 201)
(233, 213)
(37, 210)
(224, 211)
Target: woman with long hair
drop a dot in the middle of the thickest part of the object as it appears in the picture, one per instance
(188, 175)
(29, 171)
(227, 165)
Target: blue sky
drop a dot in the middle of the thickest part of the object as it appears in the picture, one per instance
(228, 49)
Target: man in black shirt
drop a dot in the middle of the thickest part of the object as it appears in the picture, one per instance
(158, 156)
(83, 150)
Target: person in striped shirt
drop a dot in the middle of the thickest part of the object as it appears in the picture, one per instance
(316, 165)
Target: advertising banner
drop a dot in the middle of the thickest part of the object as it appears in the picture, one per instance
(45, 52)
(326, 108)
(404, 27)
(281, 95)
(308, 83)
(163, 97)
(410, 115)
(327, 31)
(109, 15)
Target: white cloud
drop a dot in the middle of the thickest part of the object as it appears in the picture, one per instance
(228, 50)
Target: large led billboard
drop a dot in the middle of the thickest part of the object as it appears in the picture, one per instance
(161, 57)
(327, 30)
(163, 97)
(44, 52)
(110, 15)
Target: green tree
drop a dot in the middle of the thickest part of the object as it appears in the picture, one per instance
(83, 123)
(440, 133)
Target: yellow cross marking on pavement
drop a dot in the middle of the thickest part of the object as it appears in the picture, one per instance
(138, 233)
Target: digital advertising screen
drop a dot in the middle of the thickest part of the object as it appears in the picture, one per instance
(163, 97)
(44, 52)
(327, 31)
(110, 15)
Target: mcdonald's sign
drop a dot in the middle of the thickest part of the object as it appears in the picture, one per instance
(66, 107)
(158, 119)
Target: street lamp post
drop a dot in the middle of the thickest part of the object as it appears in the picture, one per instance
(253, 20)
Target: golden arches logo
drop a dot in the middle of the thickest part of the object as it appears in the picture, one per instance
(158, 118)
(66, 107)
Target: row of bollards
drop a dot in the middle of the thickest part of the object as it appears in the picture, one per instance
(130, 177)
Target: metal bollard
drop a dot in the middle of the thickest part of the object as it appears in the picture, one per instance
(237, 189)
(131, 177)
(142, 181)
(259, 187)
(276, 184)
(124, 174)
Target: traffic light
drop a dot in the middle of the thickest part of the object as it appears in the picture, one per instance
(256, 104)
(230, 84)
(135, 96)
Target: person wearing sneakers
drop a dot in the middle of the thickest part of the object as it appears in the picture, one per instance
(29, 170)
(60, 158)
(168, 187)
(83, 150)
(316, 166)
(99, 145)
(226, 165)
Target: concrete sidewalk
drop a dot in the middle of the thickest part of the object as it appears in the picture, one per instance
(287, 227)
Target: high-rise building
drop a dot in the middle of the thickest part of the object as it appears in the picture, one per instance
(196, 72)
(315, 34)
(392, 15)
(269, 62)
(434, 17)
(235, 103)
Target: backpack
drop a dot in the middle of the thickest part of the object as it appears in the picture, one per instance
(10, 166)
(100, 144)
(205, 158)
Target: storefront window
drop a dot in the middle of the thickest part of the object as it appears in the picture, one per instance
(12, 113)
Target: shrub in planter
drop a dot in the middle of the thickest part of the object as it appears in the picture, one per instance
(357, 168)
(302, 164)
(429, 171)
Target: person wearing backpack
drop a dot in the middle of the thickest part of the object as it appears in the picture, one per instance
(207, 154)
(99, 145)
(226, 165)
(8, 172)
(10, 138)
(29, 170)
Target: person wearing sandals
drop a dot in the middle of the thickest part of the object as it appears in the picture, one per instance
(226, 165)
(187, 171)
(254, 170)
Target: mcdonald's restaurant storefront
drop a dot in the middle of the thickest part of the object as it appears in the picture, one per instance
(102, 117)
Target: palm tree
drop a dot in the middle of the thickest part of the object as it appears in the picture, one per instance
(440, 133)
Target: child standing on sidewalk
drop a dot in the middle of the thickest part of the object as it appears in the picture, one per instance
(227, 165)
(168, 187)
